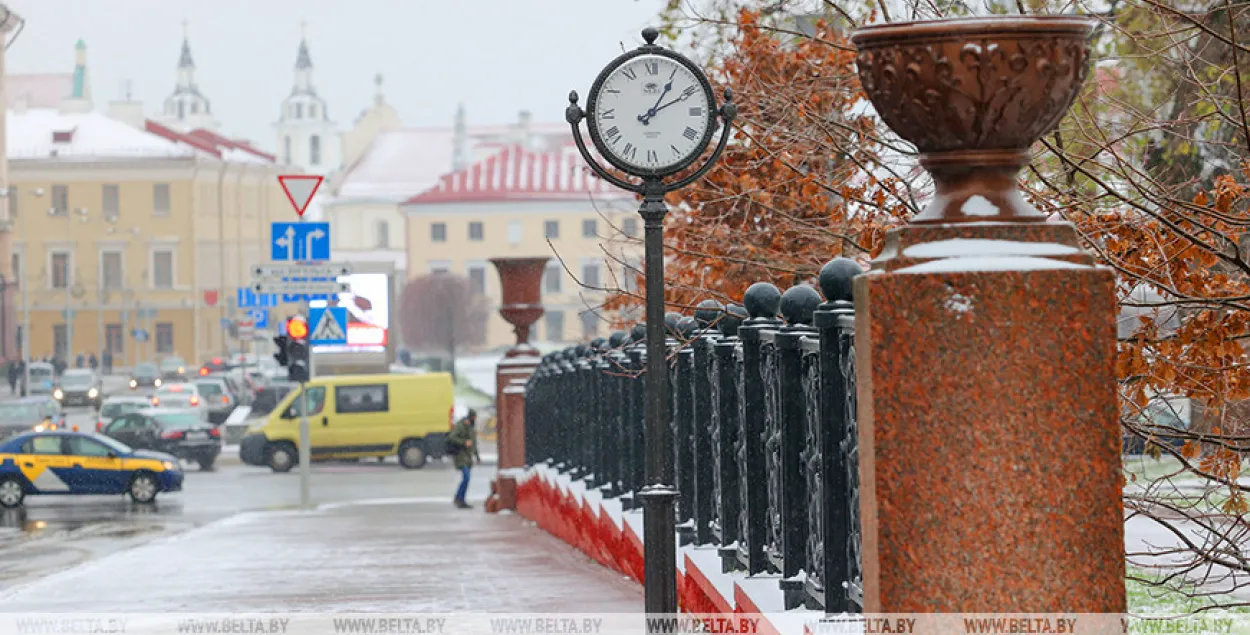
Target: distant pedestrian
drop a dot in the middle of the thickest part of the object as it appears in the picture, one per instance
(93, 362)
(107, 361)
(79, 361)
(15, 367)
(463, 439)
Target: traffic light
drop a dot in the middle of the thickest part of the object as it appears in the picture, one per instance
(297, 349)
(279, 343)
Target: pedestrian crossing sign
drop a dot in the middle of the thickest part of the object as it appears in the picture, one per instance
(329, 326)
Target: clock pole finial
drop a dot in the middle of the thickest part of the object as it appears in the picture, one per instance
(650, 34)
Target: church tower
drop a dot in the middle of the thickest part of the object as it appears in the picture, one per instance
(307, 139)
(187, 109)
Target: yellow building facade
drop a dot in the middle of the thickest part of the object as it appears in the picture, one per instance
(132, 240)
(521, 203)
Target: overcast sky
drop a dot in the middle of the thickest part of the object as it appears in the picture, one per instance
(496, 56)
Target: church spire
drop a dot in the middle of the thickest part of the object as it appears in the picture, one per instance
(82, 85)
(303, 60)
(184, 60)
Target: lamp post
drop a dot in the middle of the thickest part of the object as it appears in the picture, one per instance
(654, 142)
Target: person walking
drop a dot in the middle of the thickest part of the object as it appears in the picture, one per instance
(463, 437)
(93, 362)
(14, 369)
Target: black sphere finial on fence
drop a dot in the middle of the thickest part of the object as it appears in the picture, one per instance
(837, 277)
(686, 328)
(618, 339)
(708, 312)
(599, 344)
(638, 333)
(670, 323)
(732, 319)
(762, 300)
(798, 303)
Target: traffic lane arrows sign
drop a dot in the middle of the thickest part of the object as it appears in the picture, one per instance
(327, 270)
(299, 241)
(302, 288)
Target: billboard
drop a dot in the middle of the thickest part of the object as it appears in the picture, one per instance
(368, 312)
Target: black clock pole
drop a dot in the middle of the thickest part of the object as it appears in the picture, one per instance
(659, 495)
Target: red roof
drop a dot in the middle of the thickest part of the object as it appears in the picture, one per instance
(178, 137)
(518, 174)
(218, 140)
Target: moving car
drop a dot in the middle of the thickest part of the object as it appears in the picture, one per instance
(64, 462)
(269, 395)
(115, 407)
(42, 378)
(178, 395)
(29, 413)
(354, 416)
(145, 374)
(79, 387)
(173, 368)
(217, 396)
(180, 432)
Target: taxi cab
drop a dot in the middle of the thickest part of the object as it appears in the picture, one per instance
(64, 462)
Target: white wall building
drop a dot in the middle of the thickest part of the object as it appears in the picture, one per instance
(307, 139)
(187, 108)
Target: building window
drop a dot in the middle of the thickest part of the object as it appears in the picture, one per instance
(286, 150)
(163, 268)
(110, 201)
(555, 326)
(299, 111)
(160, 199)
(590, 228)
(551, 229)
(514, 232)
(382, 234)
(630, 227)
(590, 325)
(111, 270)
(314, 150)
(476, 231)
(60, 340)
(590, 274)
(477, 278)
(114, 339)
(440, 266)
(60, 199)
(438, 232)
(551, 277)
(60, 266)
(164, 337)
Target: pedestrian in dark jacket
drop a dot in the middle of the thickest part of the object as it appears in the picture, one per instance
(464, 436)
(93, 362)
(15, 371)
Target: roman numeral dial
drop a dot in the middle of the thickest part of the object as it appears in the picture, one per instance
(651, 113)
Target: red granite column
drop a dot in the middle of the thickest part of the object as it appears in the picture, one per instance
(520, 280)
(985, 342)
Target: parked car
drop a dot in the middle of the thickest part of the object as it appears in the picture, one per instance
(79, 387)
(215, 365)
(173, 367)
(76, 463)
(180, 395)
(115, 407)
(181, 432)
(145, 374)
(219, 400)
(29, 413)
(42, 378)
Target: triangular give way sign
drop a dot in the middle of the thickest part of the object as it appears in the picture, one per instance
(299, 189)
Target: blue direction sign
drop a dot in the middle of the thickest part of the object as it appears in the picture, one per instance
(259, 318)
(327, 326)
(299, 241)
(248, 299)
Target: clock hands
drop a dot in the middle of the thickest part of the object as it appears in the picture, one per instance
(645, 117)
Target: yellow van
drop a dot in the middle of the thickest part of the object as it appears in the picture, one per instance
(355, 416)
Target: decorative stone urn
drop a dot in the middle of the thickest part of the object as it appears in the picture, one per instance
(973, 95)
(985, 333)
(520, 280)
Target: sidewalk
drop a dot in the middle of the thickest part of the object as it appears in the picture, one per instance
(386, 555)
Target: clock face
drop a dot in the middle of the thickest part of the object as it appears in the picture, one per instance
(652, 113)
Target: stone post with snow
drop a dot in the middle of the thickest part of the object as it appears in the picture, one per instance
(985, 341)
(520, 282)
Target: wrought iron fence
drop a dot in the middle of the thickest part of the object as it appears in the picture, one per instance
(764, 423)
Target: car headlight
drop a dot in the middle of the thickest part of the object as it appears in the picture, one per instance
(169, 465)
(157, 383)
(93, 393)
(134, 384)
(57, 394)
(181, 370)
(40, 428)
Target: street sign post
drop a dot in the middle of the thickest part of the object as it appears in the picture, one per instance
(293, 270)
(329, 326)
(299, 241)
(301, 287)
(246, 328)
